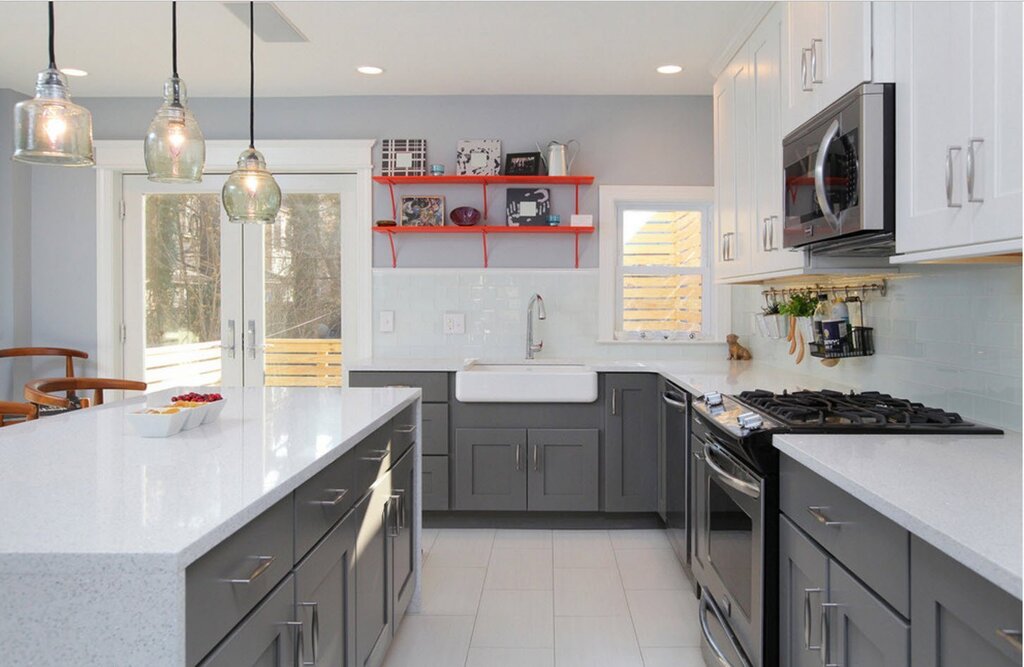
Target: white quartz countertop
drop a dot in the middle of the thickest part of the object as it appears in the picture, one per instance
(959, 493)
(84, 486)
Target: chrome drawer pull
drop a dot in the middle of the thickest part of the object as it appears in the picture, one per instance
(949, 176)
(264, 564)
(299, 659)
(673, 401)
(315, 637)
(1011, 637)
(826, 635)
(409, 428)
(971, 169)
(341, 493)
(383, 454)
(820, 517)
(807, 619)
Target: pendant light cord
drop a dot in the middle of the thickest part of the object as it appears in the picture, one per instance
(252, 76)
(53, 59)
(174, 38)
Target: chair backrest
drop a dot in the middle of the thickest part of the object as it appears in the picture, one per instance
(39, 391)
(20, 412)
(68, 353)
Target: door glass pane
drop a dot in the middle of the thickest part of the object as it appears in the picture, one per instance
(302, 287)
(182, 299)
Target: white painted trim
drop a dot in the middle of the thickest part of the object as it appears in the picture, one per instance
(746, 26)
(115, 158)
(959, 252)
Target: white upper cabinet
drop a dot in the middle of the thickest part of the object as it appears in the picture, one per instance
(958, 128)
(733, 187)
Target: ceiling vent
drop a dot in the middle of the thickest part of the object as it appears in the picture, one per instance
(271, 24)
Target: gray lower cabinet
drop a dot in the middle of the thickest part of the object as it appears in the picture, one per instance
(435, 483)
(631, 442)
(803, 586)
(399, 529)
(563, 469)
(372, 580)
(959, 617)
(266, 638)
(490, 468)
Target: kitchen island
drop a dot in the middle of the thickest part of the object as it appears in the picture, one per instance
(117, 549)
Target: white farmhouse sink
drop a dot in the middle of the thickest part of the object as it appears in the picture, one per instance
(526, 382)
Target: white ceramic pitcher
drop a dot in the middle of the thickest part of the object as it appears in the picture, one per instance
(557, 157)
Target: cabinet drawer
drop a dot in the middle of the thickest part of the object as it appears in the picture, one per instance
(226, 583)
(860, 539)
(434, 385)
(403, 431)
(265, 638)
(435, 429)
(435, 483)
(374, 456)
(324, 499)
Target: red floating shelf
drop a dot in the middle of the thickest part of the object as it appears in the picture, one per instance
(483, 231)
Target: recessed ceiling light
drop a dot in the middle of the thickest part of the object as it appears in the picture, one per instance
(370, 69)
(71, 71)
(670, 69)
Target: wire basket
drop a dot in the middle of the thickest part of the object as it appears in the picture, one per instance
(860, 342)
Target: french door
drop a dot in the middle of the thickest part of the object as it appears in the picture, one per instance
(209, 302)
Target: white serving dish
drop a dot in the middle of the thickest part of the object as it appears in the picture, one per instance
(194, 416)
(213, 410)
(156, 425)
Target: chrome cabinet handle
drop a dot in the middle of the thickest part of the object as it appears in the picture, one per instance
(410, 428)
(814, 61)
(298, 659)
(399, 495)
(949, 176)
(1011, 637)
(771, 233)
(264, 564)
(804, 86)
(743, 486)
(819, 175)
(315, 636)
(673, 401)
(340, 493)
(519, 452)
(535, 464)
(820, 516)
(251, 342)
(231, 336)
(382, 454)
(389, 509)
(826, 635)
(807, 619)
(764, 234)
(615, 408)
(971, 170)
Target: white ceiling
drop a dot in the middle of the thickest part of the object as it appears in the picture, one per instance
(426, 48)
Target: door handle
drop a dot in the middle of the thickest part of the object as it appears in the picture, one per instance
(519, 452)
(535, 462)
(251, 338)
(707, 604)
(315, 636)
(814, 61)
(299, 659)
(819, 516)
(949, 177)
(826, 635)
(673, 401)
(771, 232)
(804, 86)
(764, 234)
(339, 494)
(231, 336)
(264, 564)
(971, 169)
(615, 407)
(807, 619)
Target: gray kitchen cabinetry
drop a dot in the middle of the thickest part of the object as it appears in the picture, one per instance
(267, 638)
(803, 586)
(959, 617)
(490, 468)
(435, 482)
(631, 442)
(563, 470)
(372, 581)
(401, 553)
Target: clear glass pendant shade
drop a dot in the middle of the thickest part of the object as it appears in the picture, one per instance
(175, 147)
(251, 194)
(50, 128)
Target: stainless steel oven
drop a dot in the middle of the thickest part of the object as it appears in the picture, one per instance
(840, 181)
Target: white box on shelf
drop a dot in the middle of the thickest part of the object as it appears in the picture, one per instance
(581, 221)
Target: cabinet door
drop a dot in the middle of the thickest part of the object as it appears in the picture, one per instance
(806, 23)
(733, 195)
(563, 469)
(435, 483)
(266, 638)
(403, 557)
(373, 595)
(959, 618)
(859, 629)
(803, 587)
(325, 598)
(844, 44)
(490, 468)
(933, 110)
(631, 443)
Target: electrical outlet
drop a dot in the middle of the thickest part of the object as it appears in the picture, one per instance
(387, 321)
(455, 323)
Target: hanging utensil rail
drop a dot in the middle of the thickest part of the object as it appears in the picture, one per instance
(775, 293)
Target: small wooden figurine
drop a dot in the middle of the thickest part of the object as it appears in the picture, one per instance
(736, 351)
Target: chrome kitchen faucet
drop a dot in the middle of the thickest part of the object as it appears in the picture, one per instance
(542, 314)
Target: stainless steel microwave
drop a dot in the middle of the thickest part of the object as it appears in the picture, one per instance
(840, 180)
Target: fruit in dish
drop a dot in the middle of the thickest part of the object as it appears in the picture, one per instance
(194, 397)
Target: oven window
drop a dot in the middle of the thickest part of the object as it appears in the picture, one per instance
(840, 172)
(731, 544)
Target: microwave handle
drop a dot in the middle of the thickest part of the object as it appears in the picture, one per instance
(819, 175)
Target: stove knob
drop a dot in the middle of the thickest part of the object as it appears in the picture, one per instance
(750, 421)
(713, 398)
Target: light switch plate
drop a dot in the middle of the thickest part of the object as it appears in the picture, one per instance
(387, 321)
(455, 323)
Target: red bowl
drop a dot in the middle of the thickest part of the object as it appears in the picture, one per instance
(465, 216)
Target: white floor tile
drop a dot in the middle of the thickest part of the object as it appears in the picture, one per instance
(583, 548)
(451, 591)
(606, 641)
(515, 619)
(664, 618)
(431, 641)
(519, 570)
(427, 539)
(650, 569)
(522, 539)
(672, 657)
(511, 657)
(639, 539)
(462, 548)
(589, 592)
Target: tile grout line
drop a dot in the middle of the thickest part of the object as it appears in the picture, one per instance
(480, 598)
(629, 607)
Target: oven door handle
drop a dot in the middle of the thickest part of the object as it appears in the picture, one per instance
(707, 603)
(745, 487)
(819, 175)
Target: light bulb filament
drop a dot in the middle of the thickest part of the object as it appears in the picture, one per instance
(55, 127)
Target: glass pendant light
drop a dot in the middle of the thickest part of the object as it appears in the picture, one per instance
(251, 194)
(175, 148)
(50, 128)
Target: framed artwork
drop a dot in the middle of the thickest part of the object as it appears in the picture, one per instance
(478, 157)
(403, 157)
(527, 207)
(422, 211)
(523, 164)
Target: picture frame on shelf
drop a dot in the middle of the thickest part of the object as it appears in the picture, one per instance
(523, 164)
(422, 211)
(478, 157)
(403, 157)
(527, 207)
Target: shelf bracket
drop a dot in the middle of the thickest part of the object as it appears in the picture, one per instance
(484, 186)
(394, 255)
(577, 236)
(394, 209)
(577, 212)
(483, 235)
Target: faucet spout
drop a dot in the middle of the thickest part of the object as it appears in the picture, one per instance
(542, 314)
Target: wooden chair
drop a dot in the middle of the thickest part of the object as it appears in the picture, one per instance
(20, 411)
(68, 354)
(40, 392)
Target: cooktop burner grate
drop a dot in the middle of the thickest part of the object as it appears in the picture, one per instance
(831, 408)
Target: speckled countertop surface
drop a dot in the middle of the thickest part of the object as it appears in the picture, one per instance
(959, 493)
